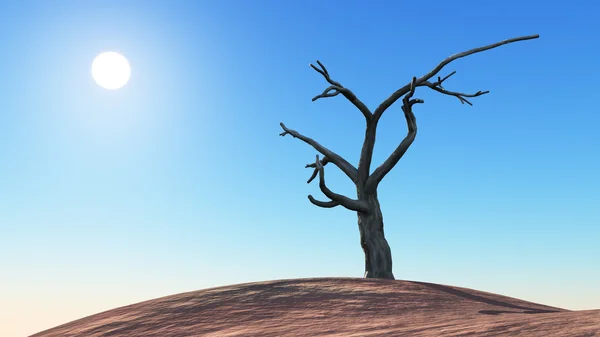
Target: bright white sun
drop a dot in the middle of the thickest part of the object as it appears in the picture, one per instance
(111, 70)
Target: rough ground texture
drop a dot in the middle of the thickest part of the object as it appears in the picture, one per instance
(334, 307)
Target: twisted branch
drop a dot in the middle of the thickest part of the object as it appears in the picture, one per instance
(324, 204)
(336, 199)
(324, 162)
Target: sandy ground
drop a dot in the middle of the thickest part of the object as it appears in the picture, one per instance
(334, 307)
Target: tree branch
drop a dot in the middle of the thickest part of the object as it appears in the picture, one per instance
(324, 204)
(379, 173)
(340, 162)
(336, 88)
(437, 86)
(336, 199)
(473, 51)
(405, 89)
(324, 162)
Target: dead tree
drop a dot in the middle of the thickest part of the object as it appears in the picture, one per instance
(378, 257)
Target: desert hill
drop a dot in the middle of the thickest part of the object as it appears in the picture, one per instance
(350, 307)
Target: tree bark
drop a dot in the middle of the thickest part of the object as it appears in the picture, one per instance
(378, 256)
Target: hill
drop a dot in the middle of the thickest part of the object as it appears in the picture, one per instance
(334, 307)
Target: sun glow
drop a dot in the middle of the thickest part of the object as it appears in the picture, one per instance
(111, 70)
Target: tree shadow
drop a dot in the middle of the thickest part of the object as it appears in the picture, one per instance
(498, 312)
(456, 292)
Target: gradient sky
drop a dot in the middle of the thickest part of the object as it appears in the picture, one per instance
(179, 181)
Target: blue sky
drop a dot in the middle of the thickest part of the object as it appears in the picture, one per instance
(179, 180)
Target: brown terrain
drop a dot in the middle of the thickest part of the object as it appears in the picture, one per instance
(334, 307)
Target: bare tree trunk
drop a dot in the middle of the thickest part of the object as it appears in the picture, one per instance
(378, 256)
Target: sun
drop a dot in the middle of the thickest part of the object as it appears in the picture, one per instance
(111, 70)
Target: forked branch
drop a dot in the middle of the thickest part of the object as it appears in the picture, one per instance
(411, 121)
(324, 162)
(421, 81)
(336, 88)
(331, 156)
(336, 199)
(437, 86)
